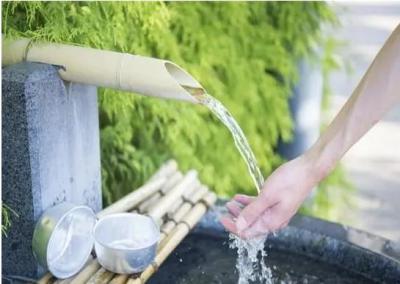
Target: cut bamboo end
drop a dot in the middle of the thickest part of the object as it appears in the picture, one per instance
(167, 169)
(172, 181)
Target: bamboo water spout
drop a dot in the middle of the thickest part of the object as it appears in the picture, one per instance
(144, 75)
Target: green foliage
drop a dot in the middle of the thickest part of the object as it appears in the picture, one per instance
(6, 216)
(245, 54)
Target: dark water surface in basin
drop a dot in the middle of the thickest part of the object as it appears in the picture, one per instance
(205, 259)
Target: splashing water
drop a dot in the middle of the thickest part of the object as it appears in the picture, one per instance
(248, 264)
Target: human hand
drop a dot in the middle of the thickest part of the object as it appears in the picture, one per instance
(281, 196)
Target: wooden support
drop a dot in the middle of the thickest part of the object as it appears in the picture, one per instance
(175, 201)
(128, 202)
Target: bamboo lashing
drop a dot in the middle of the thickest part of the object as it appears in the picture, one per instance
(176, 236)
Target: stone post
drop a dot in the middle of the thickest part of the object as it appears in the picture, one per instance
(50, 153)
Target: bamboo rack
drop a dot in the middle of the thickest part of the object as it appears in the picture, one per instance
(174, 200)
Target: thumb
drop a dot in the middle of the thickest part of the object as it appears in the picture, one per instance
(251, 212)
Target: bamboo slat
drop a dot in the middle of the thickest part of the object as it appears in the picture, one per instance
(158, 210)
(178, 215)
(166, 169)
(155, 183)
(185, 196)
(176, 236)
(47, 278)
(119, 279)
(102, 276)
(172, 181)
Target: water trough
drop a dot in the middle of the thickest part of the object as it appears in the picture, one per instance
(309, 250)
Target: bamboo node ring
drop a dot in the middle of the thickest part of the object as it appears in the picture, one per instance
(173, 221)
(187, 200)
(155, 266)
(205, 203)
(183, 222)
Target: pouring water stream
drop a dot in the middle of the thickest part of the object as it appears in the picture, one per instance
(249, 266)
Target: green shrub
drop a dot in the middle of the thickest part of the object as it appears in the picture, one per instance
(245, 54)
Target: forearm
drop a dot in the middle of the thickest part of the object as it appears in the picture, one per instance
(377, 92)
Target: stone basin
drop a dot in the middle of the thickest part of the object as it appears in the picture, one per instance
(309, 250)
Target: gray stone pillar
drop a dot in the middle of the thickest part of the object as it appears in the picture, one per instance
(50, 151)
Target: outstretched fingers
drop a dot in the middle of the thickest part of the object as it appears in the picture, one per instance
(229, 224)
(252, 212)
(234, 208)
(273, 219)
(244, 199)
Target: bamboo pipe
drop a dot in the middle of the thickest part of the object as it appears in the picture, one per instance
(187, 183)
(157, 211)
(131, 200)
(176, 236)
(143, 75)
